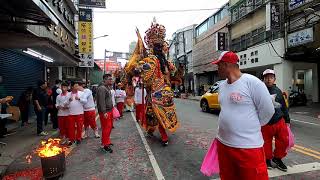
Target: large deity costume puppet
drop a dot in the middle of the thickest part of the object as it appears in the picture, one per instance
(155, 72)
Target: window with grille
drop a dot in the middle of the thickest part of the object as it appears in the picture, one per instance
(250, 5)
(242, 10)
(258, 3)
(235, 14)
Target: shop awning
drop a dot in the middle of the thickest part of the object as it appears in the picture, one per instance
(42, 45)
(35, 10)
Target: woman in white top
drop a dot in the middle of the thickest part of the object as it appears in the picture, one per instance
(120, 96)
(62, 104)
(140, 107)
(76, 113)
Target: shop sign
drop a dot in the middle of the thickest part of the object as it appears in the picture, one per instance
(63, 9)
(62, 36)
(273, 16)
(93, 3)
(221, 41)
(300, 37)
(85, 38)
(293, 4)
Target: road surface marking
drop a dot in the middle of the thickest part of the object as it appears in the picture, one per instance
(306, 153)
(307, 149)
(300, 168)
(153, 160)
(305, 122)
(295, 169)
(304, 150)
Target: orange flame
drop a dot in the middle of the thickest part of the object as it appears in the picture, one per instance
(49, 148)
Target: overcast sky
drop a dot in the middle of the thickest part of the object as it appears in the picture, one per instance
(121, 26)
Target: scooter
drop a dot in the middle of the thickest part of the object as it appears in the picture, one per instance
(297, 98)
(177, 93)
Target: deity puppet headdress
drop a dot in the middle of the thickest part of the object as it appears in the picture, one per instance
(155, 34)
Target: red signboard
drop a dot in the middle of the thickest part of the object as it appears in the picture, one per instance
(110, 65)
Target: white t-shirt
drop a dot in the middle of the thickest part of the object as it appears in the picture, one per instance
(120, 95)
(76, 106)
(63, 101)
(87, 98)
(138, 95)
(113, 97)
(246, 105)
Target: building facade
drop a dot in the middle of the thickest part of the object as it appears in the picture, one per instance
(180, 52)
(38, 33)
(205, 48)
(303, 46)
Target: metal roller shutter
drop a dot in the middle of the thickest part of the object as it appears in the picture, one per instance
(18, 72)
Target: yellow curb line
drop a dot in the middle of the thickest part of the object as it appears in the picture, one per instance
(306, 153)
(307, 149)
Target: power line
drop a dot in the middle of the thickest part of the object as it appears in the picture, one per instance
(157, 11)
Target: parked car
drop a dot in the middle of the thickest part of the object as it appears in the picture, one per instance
(209, 101)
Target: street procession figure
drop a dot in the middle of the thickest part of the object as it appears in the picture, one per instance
(155, 72)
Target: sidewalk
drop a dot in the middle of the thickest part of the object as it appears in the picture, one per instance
(20, 142)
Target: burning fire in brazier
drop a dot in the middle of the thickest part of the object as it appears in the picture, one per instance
(52, 158)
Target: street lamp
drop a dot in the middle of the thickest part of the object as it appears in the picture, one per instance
(104, 70)
(100, 36)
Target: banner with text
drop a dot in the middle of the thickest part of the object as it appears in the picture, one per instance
(85, 37)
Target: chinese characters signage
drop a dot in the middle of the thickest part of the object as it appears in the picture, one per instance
(85, 38)
(273, 17)
(297, 3)
(111, 66)
(93, 3)
(221, 41)
(300, 37)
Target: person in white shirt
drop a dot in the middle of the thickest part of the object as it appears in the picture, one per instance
(245, 106)
(62, 104)
(113, 93)
(89, 112)
(140, 107)
(120, 96)
(76, 113)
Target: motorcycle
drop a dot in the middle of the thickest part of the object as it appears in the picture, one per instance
(297, 98)
(177, 93)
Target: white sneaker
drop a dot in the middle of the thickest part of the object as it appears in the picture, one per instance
(43, 133)
(84, 134)
(64, 141)
(96, 133)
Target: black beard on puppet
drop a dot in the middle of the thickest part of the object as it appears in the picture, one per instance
(157, 49)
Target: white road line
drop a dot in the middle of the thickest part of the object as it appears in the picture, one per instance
(300, 168)
(305, 122)
(295, 169)
(153, 160)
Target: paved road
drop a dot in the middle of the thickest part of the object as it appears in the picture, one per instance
(187, 147)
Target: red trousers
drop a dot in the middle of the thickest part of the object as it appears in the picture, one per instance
(164, 136)
(120, 106)
(90, 119)
(242, 164)
(140, 112)
(75, 127)
(279, 131)
(106, 127)
(63, 125)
